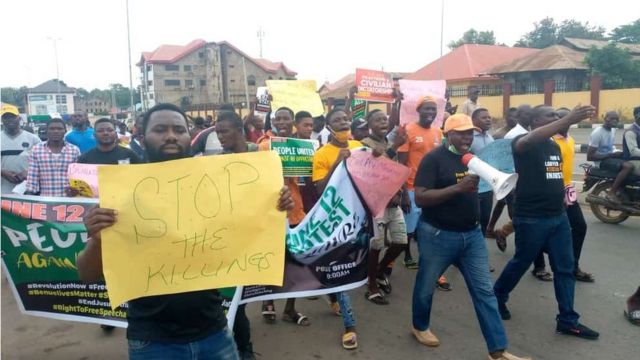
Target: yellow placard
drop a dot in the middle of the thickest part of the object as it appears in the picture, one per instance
(193, 224)
(295, 94)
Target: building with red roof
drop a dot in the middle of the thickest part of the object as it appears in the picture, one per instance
(202, 72)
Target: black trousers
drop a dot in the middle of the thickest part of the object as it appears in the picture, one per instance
(242, 329)
(578, 233)
(485, 201)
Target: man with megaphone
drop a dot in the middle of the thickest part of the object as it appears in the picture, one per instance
(539, 215)
(449, 233)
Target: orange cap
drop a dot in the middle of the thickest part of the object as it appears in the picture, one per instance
(425, 99)
(459, 122)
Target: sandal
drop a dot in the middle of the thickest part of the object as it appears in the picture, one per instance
(584, 277)
(335, 307)
(542, 275)
(349, 340)
(296, 318)
(269, 313)
(384, 284)
(633, 317)
(376, 298)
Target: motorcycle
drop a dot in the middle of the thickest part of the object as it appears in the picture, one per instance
(604, 209)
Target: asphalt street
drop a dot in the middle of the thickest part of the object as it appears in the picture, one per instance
(610, 253)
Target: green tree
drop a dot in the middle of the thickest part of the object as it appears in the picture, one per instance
(547, 32)
(472, 36)
(576, 29)
(122, 96)
(616, 66)
(15, 96)
(628, 34)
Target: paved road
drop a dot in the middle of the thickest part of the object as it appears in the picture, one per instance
(611, 253)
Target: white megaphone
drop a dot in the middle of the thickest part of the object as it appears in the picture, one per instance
(501, 183)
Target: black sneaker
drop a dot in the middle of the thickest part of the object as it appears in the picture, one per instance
(107, 328)
(505, 314)
(247, 353)
(578, 330)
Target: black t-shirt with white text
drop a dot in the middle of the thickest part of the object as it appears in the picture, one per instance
(540, 188)
(440, 169)
(118, 156)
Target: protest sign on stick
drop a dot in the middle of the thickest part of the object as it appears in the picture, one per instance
(295, 94)
(193, 224)
(374, 85)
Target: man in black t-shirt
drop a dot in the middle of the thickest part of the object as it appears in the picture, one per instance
(539, 218)
(175, 326)
(107, 151)
(449, 233)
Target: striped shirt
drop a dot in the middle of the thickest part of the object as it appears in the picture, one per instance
(48, 171)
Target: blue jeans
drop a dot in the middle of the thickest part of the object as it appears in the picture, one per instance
(468, 251)
(218, 346)
(553, 235)
(348, 318)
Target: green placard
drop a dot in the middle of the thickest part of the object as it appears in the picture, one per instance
(359, 109)
(296, 155)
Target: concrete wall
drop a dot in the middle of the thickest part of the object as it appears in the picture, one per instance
(621, 100)
(571, 99)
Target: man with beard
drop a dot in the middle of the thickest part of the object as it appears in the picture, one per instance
(48, 162)
(539, 216)
(175, 326)
(16, 144)
(107, 151)
(421, 139)
(450, 234)
(81, 135)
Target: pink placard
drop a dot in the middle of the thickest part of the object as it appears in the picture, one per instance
(413, 91)
(377, 178)
(85, 172)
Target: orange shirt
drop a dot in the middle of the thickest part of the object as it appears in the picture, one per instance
(296, 215)
(420, 141)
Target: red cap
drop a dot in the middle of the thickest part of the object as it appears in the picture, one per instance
(466, 158)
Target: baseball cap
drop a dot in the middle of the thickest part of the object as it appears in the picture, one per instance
(459, 122)
(358, 123)
(425, 99)
(9, 109)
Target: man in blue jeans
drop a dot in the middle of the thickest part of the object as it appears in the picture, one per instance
(540, 219)
(449, 233)
(189, 325)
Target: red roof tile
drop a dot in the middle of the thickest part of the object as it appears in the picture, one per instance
(468, 62)
(167, 54)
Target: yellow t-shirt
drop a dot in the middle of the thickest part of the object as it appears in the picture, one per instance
(567, 150)
(325, 157)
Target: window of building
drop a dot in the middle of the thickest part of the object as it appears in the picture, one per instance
(150, 96)
(231, 66)
(270, 77)
(188, 83)
(150, 83)
(201, 54)
(228, 52)
(203, 82)
(251, 80)
(61, 99)
(171, 67)
(149, 67)
(171, 82)
(232, 80)
(187, 68)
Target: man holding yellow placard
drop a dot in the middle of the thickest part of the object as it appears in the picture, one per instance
(185, 324)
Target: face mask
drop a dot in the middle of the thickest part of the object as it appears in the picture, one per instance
(341, 136)
(454, 150)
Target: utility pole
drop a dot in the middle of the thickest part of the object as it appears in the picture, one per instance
(441, 39)
(260, 37)
(133, 106)
(55, 53)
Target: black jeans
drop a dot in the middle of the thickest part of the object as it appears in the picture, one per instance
(578, 233)
(242, 329)
(485, 201)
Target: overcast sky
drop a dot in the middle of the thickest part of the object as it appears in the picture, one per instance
(321, 40)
